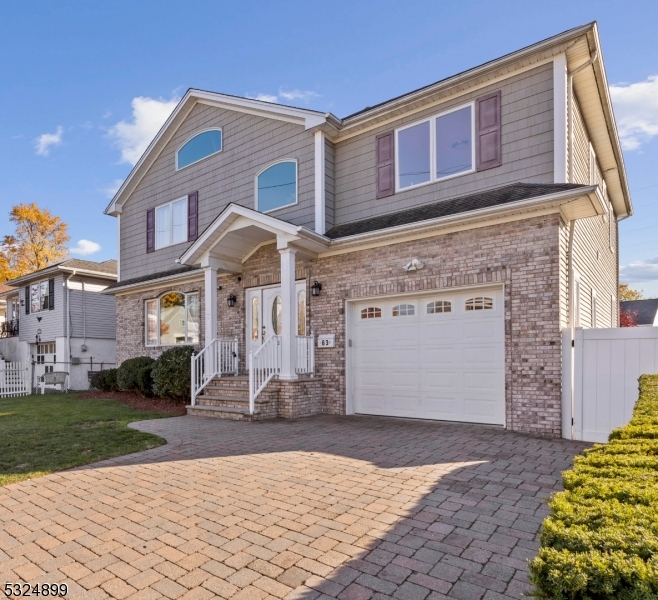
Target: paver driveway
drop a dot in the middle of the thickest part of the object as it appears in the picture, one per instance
(338, 507)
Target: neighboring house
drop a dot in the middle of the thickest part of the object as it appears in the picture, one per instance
(646, 310)
(444, 238)
(62, 321)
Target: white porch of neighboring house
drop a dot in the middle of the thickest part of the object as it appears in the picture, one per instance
(277, 360)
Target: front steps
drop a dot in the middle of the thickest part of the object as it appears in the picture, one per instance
(228, 398)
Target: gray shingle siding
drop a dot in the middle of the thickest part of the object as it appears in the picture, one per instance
(249, 144)
(329, 184)
(527, 144)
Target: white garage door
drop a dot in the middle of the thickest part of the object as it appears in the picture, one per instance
(438, 356)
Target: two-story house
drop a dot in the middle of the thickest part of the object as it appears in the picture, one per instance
(61, 321)
(435, 245)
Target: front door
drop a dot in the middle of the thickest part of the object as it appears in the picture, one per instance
(264, 311)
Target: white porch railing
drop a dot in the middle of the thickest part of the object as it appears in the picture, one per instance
(305, 354)
(264, 364)
(220, 357)
(14, 379)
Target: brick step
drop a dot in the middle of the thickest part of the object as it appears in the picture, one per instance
(217, 400)
(223, 412)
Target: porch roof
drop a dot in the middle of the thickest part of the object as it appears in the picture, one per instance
(239, 231)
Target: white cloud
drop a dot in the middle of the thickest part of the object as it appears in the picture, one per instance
(636, 111)
(289, 95)
(640, 271)
(85, 247)
(265, 97)
(47, 140)
(304, 96)
(132, 138)
(111, 189)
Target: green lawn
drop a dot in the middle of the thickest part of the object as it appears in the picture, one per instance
(43, 434)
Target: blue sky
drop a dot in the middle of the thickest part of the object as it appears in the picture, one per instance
(86, 84)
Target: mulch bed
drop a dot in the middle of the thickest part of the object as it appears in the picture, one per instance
(162, 405)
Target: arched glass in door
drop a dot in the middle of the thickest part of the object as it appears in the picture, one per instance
(254, 319)
(301, 313)
(277, 324)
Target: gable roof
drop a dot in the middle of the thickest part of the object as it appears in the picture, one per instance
(579, 45)
(647, 310)
(104, 270)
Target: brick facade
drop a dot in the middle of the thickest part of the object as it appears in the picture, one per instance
(522, 256)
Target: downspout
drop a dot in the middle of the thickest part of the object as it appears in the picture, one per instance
(68, 317)
(572, 317)
(572, 321)
(593, 56)
(84, 318)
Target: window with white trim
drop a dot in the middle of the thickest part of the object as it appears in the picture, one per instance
(594, 310)
(404, 310)
(171, 223)
(372, 312)
(39, 296)
(437, 148)
(439, 306)
(276, 186)
(172, 319)
(479, 303)
(200, 146)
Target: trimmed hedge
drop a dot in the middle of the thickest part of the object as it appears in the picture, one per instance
(128, 372)
(172, 375)
(106, 381)
(145, 379)
(601, 539)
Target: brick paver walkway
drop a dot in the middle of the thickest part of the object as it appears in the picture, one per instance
(325, 507)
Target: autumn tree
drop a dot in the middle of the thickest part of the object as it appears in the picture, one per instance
(627, 293)
(39, 240)
(628, 318)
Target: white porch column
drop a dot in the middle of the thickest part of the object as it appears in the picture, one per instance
(210, 295)
(288, 306)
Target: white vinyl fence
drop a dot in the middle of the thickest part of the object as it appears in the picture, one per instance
(607, 365)
(14, 379)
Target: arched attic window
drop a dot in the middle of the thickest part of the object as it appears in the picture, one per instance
(200, 146)
(276, 186)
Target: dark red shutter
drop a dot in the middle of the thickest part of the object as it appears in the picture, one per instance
(51, 294)
(27, 299)
(192, 216)
(385, 164)
(150, 230)
(489, 152)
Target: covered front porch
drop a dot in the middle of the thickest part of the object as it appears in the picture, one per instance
(276, 345)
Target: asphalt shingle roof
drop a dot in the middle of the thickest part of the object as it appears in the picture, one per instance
(152, 276)
(646, 310)
(489, 198)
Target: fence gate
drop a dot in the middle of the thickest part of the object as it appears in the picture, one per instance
(14, 379)
(607, 364)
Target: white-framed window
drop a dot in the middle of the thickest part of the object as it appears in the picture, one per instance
(172, 318)
(46, 353)
(277, 315)
(436, 148)
(276, 186)
(201, 145)
(594, 310)
(479, 303)
(171, 223)
(439, 306)
(39, 296)
(372, 312)
(576, 300)
(404, 310)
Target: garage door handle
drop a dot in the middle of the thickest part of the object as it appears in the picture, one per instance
(350, 343)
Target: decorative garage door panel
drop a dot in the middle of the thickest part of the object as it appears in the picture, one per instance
(437, 356)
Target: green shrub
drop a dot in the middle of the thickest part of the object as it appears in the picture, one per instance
(145, 379)
(601, 539)
(127, 373)
(172, 373)
(106, 381)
